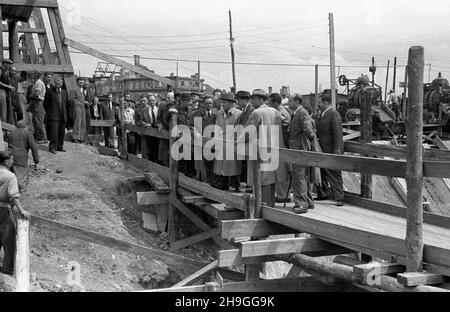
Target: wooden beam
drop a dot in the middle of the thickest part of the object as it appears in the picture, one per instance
(232, 258)
(368, 271)
(414, 166)
(25, 29)
(118, 62)
(22, 257)
(412, 279)
(148, 131)
(231, 275)
(89, 236)
(151, 198)
(344, 272)
(228, 198)
(389, 168)
(252, 228)
(192, 216)
(393, 210)
(43, 39)
(282, 246)
(192, 240)
(34, 3)
(57, 69)
(156, 182)
(302, 284)
(352, 136)
(369, 240)
(197, 275)
(1, 37)
(103, 123)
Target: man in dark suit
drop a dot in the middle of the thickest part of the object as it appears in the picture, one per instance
(330, 134)
(56, 110)
(147, 117)
(301, 133)
(107, 113)
(244, 104)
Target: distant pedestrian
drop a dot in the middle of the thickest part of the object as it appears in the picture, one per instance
(79, 113)
(37, 98)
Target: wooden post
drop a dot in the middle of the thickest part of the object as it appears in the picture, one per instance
(414, 163)
(123, 131)
(22, 259)
(316, 87)
(199, 79)
(255, 212)
(332, 62)
(373, 73)
(405, 95)
(366, 137)
(14, 53)
(387, 81)
(395, 75)
(173, 181)
(1, 36)
(232, 52)
(2, 142)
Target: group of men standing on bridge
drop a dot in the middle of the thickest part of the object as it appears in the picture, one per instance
(299, 128)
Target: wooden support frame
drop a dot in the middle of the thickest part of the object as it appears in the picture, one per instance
(232, 258)
(151, 198)
(156, 182)
(192, 240)
(412, 279)
(34, 3)
(197, 275)
(366, 273)
(252, 228)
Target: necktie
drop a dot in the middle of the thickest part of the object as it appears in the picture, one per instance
(153, 116)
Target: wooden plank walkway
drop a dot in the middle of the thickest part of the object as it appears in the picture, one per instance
(366, 231)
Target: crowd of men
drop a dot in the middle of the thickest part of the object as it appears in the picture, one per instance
(300, 128)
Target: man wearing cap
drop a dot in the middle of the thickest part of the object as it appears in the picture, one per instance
(5, 88)
(56, 108)
(228, 171)
(264, 115)
(9, 201)
(37, 98)
(217, 94)
(20, 141)
(330, 134)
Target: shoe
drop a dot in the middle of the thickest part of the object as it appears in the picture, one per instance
(237, 189)
(340, 203)
(300, 210)
(2, 270)
(282, 200)
(311, 208)
(52, 151)
(322, 198)
(61, 150)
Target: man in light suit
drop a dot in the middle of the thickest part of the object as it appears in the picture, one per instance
(264, 115)
(79, 112)
(107, 113)
(330, 134)
(147, 117)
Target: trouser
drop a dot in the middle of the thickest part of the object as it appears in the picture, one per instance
(131, 143)
(108, 136)
(207, 171)
(163, 153)
(334, 179)
(282, 185)
(3, 104)
(56, 134)
(244, 172)
(301, 187)
(7, 239)
(40, 134)
(150, 147)
(79, 123)
(88, 124)
(22, 176)
(225, 182)
(268, 194)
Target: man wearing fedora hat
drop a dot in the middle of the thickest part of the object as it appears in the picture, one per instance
(245, 105)
(228, 171)
(264, 115)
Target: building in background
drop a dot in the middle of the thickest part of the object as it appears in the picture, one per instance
(109, 79)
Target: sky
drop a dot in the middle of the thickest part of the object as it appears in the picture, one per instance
(266, 31)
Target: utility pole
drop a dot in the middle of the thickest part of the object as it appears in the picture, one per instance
(232, 52)
(332, 62)
(387, 80)
(429, 73)
(316, 87)
(199, 79)
(176, 79)
(373, 70)
(395, 74)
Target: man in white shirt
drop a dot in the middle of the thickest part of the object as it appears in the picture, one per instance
(37, 108)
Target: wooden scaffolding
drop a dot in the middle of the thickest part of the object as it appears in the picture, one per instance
(29, 40)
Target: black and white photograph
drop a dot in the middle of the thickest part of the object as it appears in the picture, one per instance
(222, 154)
